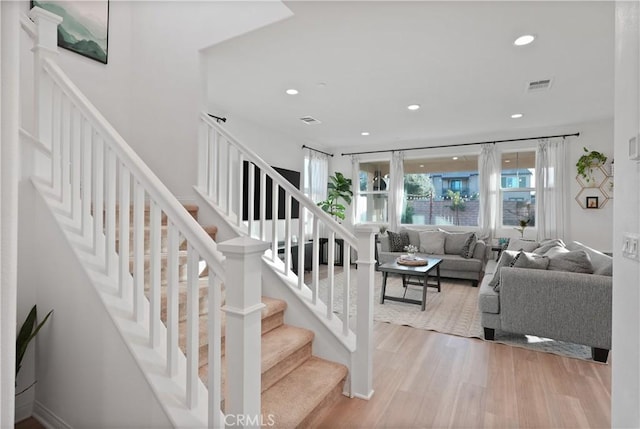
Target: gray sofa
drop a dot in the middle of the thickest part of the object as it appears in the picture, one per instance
(567, 306)
(453, 264)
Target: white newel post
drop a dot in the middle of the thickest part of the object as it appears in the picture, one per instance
(243, 308)
(362, 364)
(45, 46)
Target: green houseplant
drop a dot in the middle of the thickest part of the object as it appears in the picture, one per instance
(588, 161)
(339, 188)
(28, 331)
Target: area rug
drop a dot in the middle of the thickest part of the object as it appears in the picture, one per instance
(453, 311)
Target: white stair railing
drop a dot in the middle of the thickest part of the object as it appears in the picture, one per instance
(110, 198)
(224, 165)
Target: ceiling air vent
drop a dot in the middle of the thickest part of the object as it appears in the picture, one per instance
(310, 120)
(539, 85)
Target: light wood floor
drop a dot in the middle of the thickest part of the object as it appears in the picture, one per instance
(424, 379)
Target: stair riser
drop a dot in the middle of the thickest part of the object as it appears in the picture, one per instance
(285, 366)
(203, 305)
(321, 411)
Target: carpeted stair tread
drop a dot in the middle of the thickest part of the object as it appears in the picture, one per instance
(281, 342)
(314, 380)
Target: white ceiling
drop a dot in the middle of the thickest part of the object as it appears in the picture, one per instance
(359, 64)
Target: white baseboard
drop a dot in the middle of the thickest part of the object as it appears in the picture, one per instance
(48, 419)
(23, 411)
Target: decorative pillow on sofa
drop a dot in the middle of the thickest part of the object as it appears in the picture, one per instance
(469, 246)
(602, 264)
(432, 242)
(454, 242)
(506, 258)
(520, 244)
(397, 241)
(414, 236)
(530, 261)
(547, 245)
(576, 261)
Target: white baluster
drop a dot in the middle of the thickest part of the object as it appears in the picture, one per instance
(76, 166)
(217, 174)
(251, 197)
(301, 246)
(211, 160)
(125, 228)
(138, 251)
(229, 177)
(287, 233)
(274, 221)
(315, 271)
(98, 195)
(87, 147)
(263, 208)
(173, 244)
(56, 150)
(240, 178)
(215, 350)
(192, 327)
(203, 168)
(331, 257)
(65, 149)
(155, 266)
(110, 212)
(346, 288)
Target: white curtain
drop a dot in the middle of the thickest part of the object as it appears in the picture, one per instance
(488, 178)
(316, 177)
(355, 187)
(551, 188)
(396, 191)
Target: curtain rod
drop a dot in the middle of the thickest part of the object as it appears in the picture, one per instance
(316, 150)
(460, 144)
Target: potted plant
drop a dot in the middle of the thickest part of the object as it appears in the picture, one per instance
(28, 332)
(588, 161)
(339, 188)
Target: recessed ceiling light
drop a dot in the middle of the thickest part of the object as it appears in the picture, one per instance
(524, 40)
(291, 91)
(507, 160)
(421, 165)
(413, 106)
(364, 133)
(454, 158)
(517, 116)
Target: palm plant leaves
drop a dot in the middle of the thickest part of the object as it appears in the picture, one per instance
(27, 332)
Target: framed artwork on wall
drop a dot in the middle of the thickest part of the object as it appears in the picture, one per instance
(84, 28)
(592, 202)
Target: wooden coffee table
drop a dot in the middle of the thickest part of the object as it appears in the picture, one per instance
(424, 271)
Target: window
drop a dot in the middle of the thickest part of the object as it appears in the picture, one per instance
(517, 183)
(373, 194)
(441, 191)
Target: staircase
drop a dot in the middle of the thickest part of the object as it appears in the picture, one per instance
(297, 387)
(173, 294)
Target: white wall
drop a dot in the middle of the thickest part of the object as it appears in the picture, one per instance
(625, 384)
(168, 85)
(592, 227)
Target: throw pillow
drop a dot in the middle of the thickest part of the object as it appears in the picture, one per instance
(520, 244)
(469, 246)
(454, 242)
(432, 242)
(414, 236)
(576, 261)
(546, 245)
(530, 261)
(397, 241)
(506, 258)
(602, 264)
